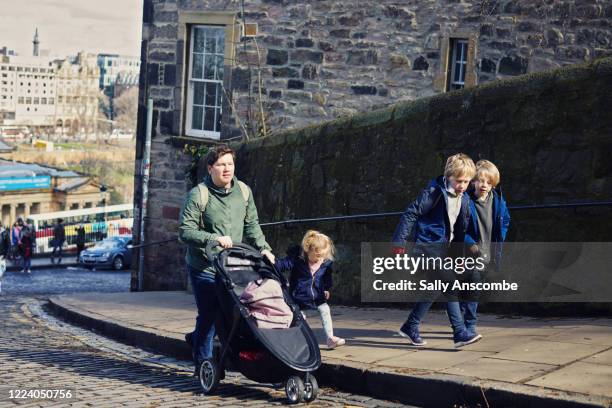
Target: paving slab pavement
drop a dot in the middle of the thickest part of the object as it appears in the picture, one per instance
(519, 362)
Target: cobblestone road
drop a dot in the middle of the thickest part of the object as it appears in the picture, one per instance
(64, 280)
(38, 351)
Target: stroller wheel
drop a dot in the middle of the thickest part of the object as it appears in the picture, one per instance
(210, 374)
(294, 388)
(311, 389)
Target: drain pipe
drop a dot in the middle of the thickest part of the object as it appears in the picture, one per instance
(144, 171)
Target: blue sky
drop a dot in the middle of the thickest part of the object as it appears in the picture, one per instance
(67, 26)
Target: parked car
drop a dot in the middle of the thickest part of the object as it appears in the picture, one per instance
(110, 252)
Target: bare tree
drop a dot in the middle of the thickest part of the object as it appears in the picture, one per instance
(126, 109)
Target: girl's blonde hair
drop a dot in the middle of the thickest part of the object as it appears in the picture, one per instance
(319, 243)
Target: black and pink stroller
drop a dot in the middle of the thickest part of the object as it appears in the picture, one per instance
(287, 356)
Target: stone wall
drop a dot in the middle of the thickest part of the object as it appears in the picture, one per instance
(549, 133)
(329, 59)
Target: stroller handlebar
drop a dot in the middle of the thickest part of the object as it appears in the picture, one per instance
(209, 247)
(215, 243)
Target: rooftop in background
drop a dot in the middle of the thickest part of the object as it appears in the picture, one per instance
(72, 184)
(10, 168)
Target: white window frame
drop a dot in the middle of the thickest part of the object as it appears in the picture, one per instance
(216, 135)
(460, 64)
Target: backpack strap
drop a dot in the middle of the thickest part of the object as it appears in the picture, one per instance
(203, 195)
(244, 189)
(204, 200)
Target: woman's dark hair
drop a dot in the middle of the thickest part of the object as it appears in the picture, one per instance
(213, 154)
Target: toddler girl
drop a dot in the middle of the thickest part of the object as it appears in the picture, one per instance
(310, 278)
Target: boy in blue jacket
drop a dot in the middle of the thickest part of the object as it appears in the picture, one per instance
(310, 278)
(438, 217)
(486, 230)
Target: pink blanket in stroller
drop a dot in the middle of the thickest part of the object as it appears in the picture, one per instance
(264, 298)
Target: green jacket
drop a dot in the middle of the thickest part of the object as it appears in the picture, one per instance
(226, 213)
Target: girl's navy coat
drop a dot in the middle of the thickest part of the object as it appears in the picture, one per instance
(501, 221)
(307, 289)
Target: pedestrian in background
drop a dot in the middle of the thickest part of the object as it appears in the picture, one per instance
(25, 249)
(15, 235)
(80, 240)
(5, 241)
(30, 226)
(5, 247)
(59, 236)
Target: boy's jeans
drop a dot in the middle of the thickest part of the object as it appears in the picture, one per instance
(469, 307)
(206, 300)
(468, 310)
(420, 310)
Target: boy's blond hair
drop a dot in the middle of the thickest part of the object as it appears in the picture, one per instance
(485, 168)
(319, 243)
(459, 165)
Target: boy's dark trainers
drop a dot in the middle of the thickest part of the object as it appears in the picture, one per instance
(413, 336)
(464, 338)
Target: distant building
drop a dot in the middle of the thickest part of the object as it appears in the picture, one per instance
(77, 94)
(5, 51)
(32, 189)
(27, 91)
(35, 91)
(38, 92)
(113, 66)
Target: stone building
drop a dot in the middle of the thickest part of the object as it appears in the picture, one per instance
(36, 91)
(77, 94)
(112, 66)
(27, 188)
(214, 70)
(311, 61)
(27, 91)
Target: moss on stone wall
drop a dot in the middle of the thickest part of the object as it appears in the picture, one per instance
(550, 134)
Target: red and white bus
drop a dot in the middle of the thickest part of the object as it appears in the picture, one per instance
(99, 223)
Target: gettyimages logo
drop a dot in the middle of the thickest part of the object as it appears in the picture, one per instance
(412, 264)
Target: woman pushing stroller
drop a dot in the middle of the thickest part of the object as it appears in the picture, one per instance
(221, 208)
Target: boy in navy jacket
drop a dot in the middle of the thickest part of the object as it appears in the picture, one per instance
(439, 216)
(486, 230)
